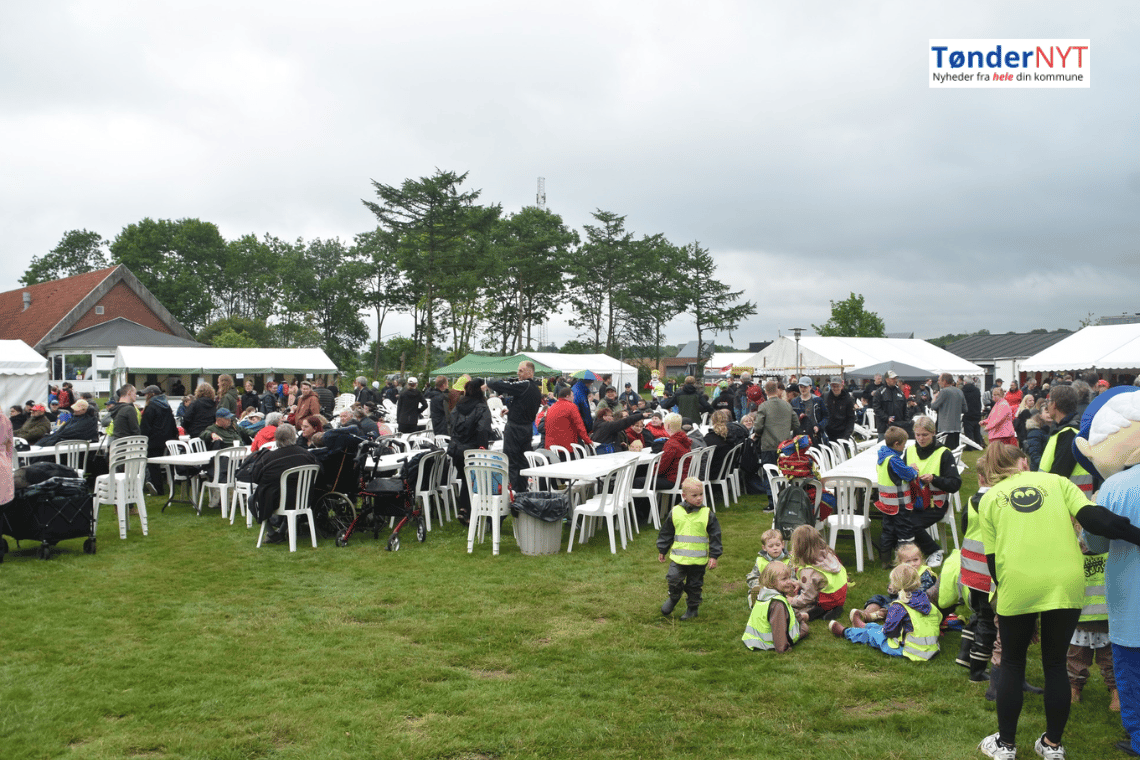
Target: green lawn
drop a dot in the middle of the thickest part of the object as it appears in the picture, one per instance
(193, 643)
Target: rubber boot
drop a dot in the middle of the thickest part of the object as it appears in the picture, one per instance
(963, 657)
(690, 613)
(1114, 703)
(991, 690)
(1075, 696)
(670, 603)
(978, 671)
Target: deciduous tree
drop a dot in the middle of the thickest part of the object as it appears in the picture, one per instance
(78, 252)
(849, 319)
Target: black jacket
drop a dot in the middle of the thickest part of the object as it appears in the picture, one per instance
(525, 399)
(973, 402)
(267, 477)
(158, 426)
(840, 414)
(437, 406)
(690, 401)
(889, 402)
(268, 402)
(199, 416)
(81, 427)
(470, 425)
(409, 407)
(614, 430)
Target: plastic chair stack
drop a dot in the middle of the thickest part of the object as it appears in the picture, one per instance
(609, 505)
(488, 478)
(123, 483)
(847, 515)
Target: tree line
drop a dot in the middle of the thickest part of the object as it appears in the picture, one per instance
(470, 276)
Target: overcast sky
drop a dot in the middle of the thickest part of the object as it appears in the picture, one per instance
(800, 143)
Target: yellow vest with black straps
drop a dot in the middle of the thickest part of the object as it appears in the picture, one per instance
(922, 643)
(758, 632)
(1096, 606)
(932, 465)
(690, 537)
(1080, 476)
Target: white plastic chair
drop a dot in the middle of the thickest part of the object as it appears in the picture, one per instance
(302, 480)
(197, 444)
(647, 491)
(174, 478)
(223, 467)
(605, 505)
(444, 491)
(579, 451)
(723, 478)
(73, 454)
(685, 467)
(948, 519)
(846, 516)
(489, 499)
(563, 453)
(535, 459)
(426, 490)
(838, 453)
(123, 483)
(776, 481)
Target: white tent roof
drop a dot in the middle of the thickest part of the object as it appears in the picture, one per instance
(18, 358)
(717, 362)
(206, 361)
(1102, 347)
(820, 355)
(598, 363)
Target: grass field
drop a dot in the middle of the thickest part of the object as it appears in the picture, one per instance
(192, 643)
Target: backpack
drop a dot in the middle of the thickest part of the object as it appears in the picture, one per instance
(750, 456)
(793, 509)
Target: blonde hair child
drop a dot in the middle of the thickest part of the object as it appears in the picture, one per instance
(773, 624)
(810, 550)
(920, 643)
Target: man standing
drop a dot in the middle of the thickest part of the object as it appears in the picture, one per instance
(125, 417)
(158, 426)
(325, 397)
(525, 400)
(438, 405)
(972, 415)
(629, 397)
(890, 405)
(949, 403)
(1058, 455)
(690, 400)
(840, 411)
(773, 423)
(872, 390)
(410, 404)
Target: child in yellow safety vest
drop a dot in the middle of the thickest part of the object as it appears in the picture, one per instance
(1090, 639)
(773, 542)
(773, 623)
(809, 549)
(875, 610)
(911, 626)
(898, 491)
(690, 534)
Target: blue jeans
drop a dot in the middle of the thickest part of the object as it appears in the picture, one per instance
(873, 637)
(1126, 664)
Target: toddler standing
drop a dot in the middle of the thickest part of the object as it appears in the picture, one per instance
(691, 535)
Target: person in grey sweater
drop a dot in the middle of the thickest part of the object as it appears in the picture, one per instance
(949, 403)
(774, 422)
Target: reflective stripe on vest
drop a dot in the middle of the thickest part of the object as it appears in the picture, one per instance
(1080, 476)
(975, 571)
(1096, 606)
(922, 643)
(758, 632)
(893, 497)
(691, 538)
(932, 465)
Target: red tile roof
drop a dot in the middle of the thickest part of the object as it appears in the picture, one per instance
(51, 302)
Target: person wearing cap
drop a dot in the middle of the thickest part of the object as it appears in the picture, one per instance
(629, 397)
(840, 411)
(252, 421)
(890, 405)
(609, 400)
(158, 426)
(410, 406)
(53, 411)
(36, 426)
(224, 433)
(810, 410)
(124, 417)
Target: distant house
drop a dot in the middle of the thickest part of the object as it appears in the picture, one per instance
(1001, 355)
(78, 322)
(686, 361)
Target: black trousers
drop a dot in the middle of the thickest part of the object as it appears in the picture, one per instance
(1057, 628)
(689, 579)
(516, 441)
(913, 524)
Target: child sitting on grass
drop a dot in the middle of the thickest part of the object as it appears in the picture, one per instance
(876, 608)
(810, 550)
(911, 626)
(773, 542)
(773, 624)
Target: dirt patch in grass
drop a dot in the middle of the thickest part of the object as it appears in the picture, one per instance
(877, 709)
(599, 620)
(733, 587)
(546, 640)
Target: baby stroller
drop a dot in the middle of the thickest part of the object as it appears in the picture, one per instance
(385, 498)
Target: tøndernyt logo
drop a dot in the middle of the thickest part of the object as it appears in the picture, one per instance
(1010, 63)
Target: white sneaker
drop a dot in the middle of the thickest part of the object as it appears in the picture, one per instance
(935, 560)
(991, 748)
(1047, 752)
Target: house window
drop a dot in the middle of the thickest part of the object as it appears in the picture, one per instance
(99, 310)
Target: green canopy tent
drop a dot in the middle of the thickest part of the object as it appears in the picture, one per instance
(488, 366)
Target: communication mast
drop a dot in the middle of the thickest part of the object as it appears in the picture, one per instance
(540, 198)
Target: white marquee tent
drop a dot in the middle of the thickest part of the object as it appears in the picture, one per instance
(600, 364)
(1099, 347)
(23, 374)
(162, 360)
(830, 356)
(720, 364)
